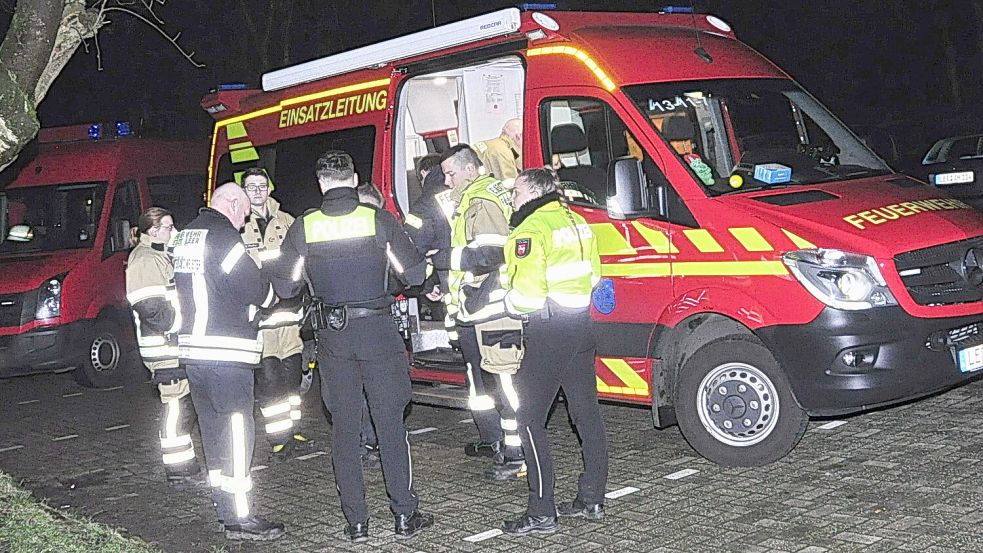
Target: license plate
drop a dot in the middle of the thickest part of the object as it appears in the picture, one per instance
(971, 359)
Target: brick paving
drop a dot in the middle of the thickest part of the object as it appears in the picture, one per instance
(899, 479)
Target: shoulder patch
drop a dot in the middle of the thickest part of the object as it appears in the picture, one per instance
(523, 246)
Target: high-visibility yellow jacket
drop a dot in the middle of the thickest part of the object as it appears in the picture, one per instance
(501, 157)
(551, 255)
(481, 220)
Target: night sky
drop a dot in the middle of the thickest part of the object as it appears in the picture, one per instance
(904, 67)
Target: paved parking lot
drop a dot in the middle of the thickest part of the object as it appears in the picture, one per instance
(901, 479)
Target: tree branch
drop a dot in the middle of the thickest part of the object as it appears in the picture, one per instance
(78, 24)
(189, 55)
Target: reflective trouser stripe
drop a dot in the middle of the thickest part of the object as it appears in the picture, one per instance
(510, 427)
(512, 440)
(475, 402)
(179, 457)
(240, 483)
(280, 416)
(539, 470)
(175, 448)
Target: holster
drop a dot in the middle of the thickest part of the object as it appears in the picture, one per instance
(500, 343)
(326, 317)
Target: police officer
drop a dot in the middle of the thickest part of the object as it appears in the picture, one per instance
(348, 251)
(480, 225)
(552, 267)
(502, 156)
(220, 289)
(279, 375)
(153, 299)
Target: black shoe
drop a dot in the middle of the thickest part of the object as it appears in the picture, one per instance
(370, 457)
(482, 449)
(296, 446)
(408, 526)
(254, 528)
(506, 470)
(358, 532)
(527, 524)
(577, 508)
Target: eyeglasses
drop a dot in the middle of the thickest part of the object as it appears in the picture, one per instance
(165, 227)
(257, 188)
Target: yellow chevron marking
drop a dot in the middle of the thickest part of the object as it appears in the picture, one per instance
(695, 268)
(656, 238)
(610, 241)
(240, 145)
(798, 240)
(703, 240)
(628, 376)
(236, 130)
(751, 239)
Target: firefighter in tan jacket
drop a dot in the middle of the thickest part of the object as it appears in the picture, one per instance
(156, 314)
(502, 156)
(279, 375)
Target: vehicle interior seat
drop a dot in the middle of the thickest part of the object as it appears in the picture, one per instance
(569, 138)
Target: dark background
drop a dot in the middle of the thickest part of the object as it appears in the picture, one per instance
(901, 73)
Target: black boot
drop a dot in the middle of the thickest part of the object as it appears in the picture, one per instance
(527, 524)
(358, 532)
(254, 528)
(578, 508)
(506, 470)
(482, 449)
(370, 457)
(408, 526)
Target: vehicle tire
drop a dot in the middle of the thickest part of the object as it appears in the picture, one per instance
(734, 405)
(105, 358)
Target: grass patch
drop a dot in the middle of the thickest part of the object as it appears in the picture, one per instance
(27, 525)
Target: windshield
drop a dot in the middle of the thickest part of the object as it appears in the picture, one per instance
(48, 218)
(747, 134)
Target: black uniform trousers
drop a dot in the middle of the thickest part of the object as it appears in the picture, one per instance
(491, 420)
(223, 397)
(559, 353)
(369, 357)
(276, 381)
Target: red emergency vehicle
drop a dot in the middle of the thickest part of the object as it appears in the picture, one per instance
(65, 238)
(760, 264)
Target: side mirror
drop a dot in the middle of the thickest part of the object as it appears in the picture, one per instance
(20, 233)
(120, 239)
(627, 185)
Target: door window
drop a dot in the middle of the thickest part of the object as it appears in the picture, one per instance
(126, 207)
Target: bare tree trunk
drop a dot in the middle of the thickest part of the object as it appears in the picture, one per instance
(77, 24)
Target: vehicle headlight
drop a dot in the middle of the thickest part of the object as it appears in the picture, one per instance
(49, 300)
(840, 279)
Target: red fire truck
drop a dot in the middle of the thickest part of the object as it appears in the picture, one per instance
(760, 264)
(65, 220)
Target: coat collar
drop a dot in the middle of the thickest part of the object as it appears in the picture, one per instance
(531, 207)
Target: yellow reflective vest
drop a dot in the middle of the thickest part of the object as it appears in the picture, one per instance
(551, 255)
(481, 219)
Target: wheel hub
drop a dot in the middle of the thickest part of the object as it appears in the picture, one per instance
(738, 404)
(104, 353)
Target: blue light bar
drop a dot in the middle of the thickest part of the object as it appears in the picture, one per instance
(537, 6)
(676, 9)
(95, 131)
(123, 128)
(233, 86)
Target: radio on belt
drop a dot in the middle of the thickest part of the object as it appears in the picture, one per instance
(772, 173)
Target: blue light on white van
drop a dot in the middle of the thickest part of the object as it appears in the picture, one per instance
(676, 9)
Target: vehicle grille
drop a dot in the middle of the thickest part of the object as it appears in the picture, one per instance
(943, 275)
(17, 309)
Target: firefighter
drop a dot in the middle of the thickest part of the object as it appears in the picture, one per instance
(220, 290)
(480, 224)
(280, 372)
(502, 156)
(156, 315)
(553, 266)
(348, 251)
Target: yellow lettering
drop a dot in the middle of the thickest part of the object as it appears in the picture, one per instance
(885, 213)
(855, 221)
(871, 217)
(899, 209)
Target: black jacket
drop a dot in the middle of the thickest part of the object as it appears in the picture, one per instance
(348, 251)
(219, 288)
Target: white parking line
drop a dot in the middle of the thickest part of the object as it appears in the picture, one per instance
(422, 430)
(76, 394)
(681, 474)
(831, 425)
(311, 455)
(258, 468)
(11, 448)
(621, 493)
(28, 401)
(466, 421)
(68, 437)
(113, 388)
(486, 535)
(118, 427)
